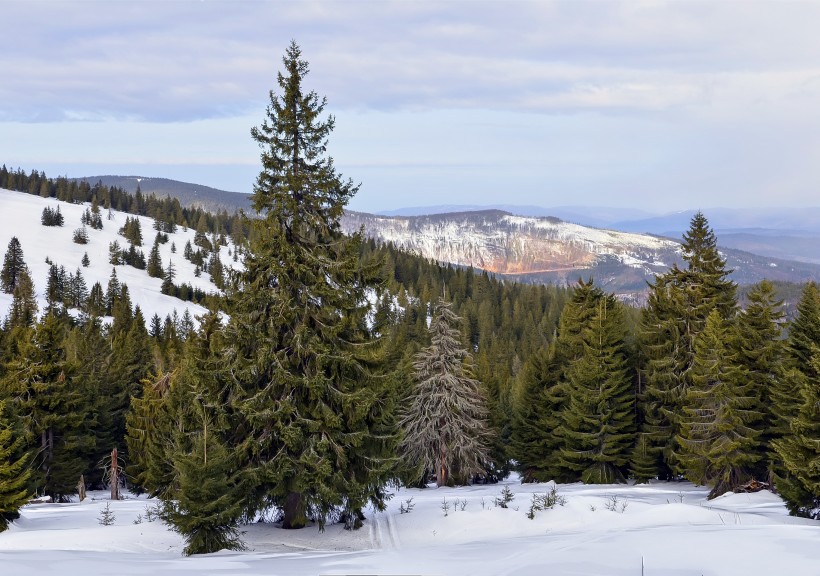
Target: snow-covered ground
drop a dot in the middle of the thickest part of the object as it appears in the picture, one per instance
(20, 216)
(658, 529)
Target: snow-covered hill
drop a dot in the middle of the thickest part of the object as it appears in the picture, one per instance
(546, 249)
(659, 529)
(20, 216)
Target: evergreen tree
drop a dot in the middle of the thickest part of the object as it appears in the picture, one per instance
(717, 445)
(23, 311)
(680, 301)
(800, 450)
(536, 433)
(445, 424)
(168, 279)
(14, 474)
(154, 266)
(13, 266)
(598, 422)
(761, 352)
(57, 415)
(312, 405)
(85, 261)
(209, 488)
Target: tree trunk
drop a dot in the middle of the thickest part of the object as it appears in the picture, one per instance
(443, 475)
(294, 510)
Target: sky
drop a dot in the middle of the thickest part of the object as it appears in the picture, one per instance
(656, 106)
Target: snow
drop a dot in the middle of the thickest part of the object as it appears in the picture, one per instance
(20, 216)
(668, 528)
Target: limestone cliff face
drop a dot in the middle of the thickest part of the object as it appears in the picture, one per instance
(515, 245)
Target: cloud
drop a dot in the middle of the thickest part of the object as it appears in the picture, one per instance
(183, 60)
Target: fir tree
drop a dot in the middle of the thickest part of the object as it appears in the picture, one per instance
(315, 410)
(445, 424)
(13, 266)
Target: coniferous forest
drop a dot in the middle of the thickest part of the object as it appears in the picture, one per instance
(331, 369)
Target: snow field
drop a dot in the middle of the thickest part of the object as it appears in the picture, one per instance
(670, 528)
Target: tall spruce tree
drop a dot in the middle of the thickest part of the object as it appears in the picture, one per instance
(680, 301)
(599, 419)
(313, 410)
(761, 351)
(445, 424)
(717, 444)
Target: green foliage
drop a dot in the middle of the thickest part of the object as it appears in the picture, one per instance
(14, 473)
(679, 303)
(599, 421)
(718, 446)
(13, 266)
(314, 412)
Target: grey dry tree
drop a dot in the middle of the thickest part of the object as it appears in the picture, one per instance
(445, 425)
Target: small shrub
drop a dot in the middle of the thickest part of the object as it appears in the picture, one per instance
(445, 506)
(546, 501)
(106, 517)
(81, 236)
(407, 506)
(503, 500)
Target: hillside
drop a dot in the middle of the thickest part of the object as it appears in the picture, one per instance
(188, 194)
(548, 250)
(20, 217)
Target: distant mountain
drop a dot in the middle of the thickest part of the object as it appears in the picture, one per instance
(550, 250)
(188, 194)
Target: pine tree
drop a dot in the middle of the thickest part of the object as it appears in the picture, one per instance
(718, 446)
(599, 420)
(300, 350)
(13, 266)
(445, 424)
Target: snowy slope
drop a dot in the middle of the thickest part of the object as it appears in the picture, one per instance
(20, 216)
(661, 529)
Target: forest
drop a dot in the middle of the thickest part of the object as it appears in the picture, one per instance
(331, 369)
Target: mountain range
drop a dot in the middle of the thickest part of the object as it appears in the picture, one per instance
(620, 247)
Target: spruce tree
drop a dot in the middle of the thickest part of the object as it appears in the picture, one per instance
(14, 473)
(23, 310)
(154, 266)
(13, 266)
(717, 444)
(445, 422)
(536, 431)
(206, 499)
(303, 360)
(800, 450)
(761, 351)
(680, 301)
(599, 419)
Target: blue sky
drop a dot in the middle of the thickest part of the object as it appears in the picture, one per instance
(660, 106)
